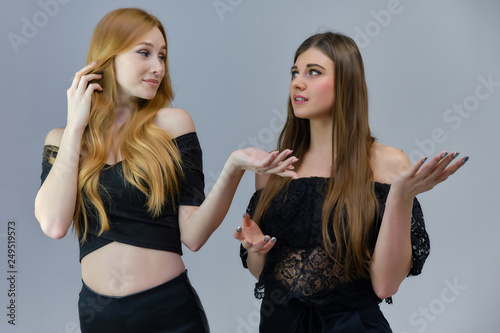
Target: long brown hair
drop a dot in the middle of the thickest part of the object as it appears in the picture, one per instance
(151, 160)
(350, 195)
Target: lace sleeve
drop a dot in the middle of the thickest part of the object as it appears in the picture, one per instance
(250, 210)
(48, 157)
(419, 240)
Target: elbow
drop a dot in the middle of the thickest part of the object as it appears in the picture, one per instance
(54, 233)
(385, 290)
(194, 248)
(52, 229)
(193, 245)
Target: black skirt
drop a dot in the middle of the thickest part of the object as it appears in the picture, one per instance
(299, 317)
(173, 306)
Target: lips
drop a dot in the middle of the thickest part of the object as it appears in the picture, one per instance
(152, 82)
(298, 99)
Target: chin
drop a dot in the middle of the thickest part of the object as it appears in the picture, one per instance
(147, 97)
(301, 115)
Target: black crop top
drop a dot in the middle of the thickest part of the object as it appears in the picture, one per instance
(125, 205)
(298, 269)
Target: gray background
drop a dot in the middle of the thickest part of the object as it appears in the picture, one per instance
(230, 70)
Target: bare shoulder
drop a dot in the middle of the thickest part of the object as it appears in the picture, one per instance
(54, 137)
(387, 162)
(174, 120)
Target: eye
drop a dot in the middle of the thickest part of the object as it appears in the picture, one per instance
(294, 74)
(314, 72)
(162, 57)
(143, 53)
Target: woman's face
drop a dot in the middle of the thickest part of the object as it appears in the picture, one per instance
(140, 70)
(312, 86)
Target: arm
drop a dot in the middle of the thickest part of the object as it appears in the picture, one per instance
(254, 243)
(55, 200)
(393, 250)
(198, 223)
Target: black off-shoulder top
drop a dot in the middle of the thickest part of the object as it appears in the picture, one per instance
(129, 220)
(298, 269)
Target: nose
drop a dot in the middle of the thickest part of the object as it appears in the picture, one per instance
(157, 66)
(298, 83)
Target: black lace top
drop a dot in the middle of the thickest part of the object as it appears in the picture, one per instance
(298, 269)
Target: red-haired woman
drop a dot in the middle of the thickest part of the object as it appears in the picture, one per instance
(126, 172)
(349, 230)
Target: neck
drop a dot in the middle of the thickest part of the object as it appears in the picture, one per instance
(321, 136)
(123, 109)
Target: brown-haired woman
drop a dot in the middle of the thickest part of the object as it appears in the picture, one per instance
(349, 229)
(126, 172)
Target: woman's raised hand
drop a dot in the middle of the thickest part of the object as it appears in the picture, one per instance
(264, 163)
(80, 96)
(252, 238)
(420, 178)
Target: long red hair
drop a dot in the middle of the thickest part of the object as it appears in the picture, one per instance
(151, 160)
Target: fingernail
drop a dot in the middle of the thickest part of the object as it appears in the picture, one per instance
(455, 154)
(248, 243)
(266, 239)
(95, 62)
(238, 229)
(465, 159)
(424, 159)
(443, 155)
(244, 214)
(273, 240)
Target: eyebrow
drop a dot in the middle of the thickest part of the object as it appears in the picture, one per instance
(151, 45)
(308, 66)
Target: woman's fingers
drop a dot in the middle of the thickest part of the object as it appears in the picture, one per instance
(278, 158)
(282, 168)
(412, 170)
(247, 222)
(268, 245)
(93, 87)
(263, 245)
(269, 159)
(289, 174)
(251, 237)
(451, 169)
(80, 73)
(84, 82)
(420, 178)
(439, 167)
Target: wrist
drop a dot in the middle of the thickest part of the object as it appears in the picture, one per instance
(74, 130)
(233, 163)
(401, 196)
(233, 166)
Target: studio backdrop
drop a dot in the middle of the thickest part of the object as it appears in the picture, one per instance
(433, 75)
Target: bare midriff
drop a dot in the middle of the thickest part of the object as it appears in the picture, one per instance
(118, 269)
